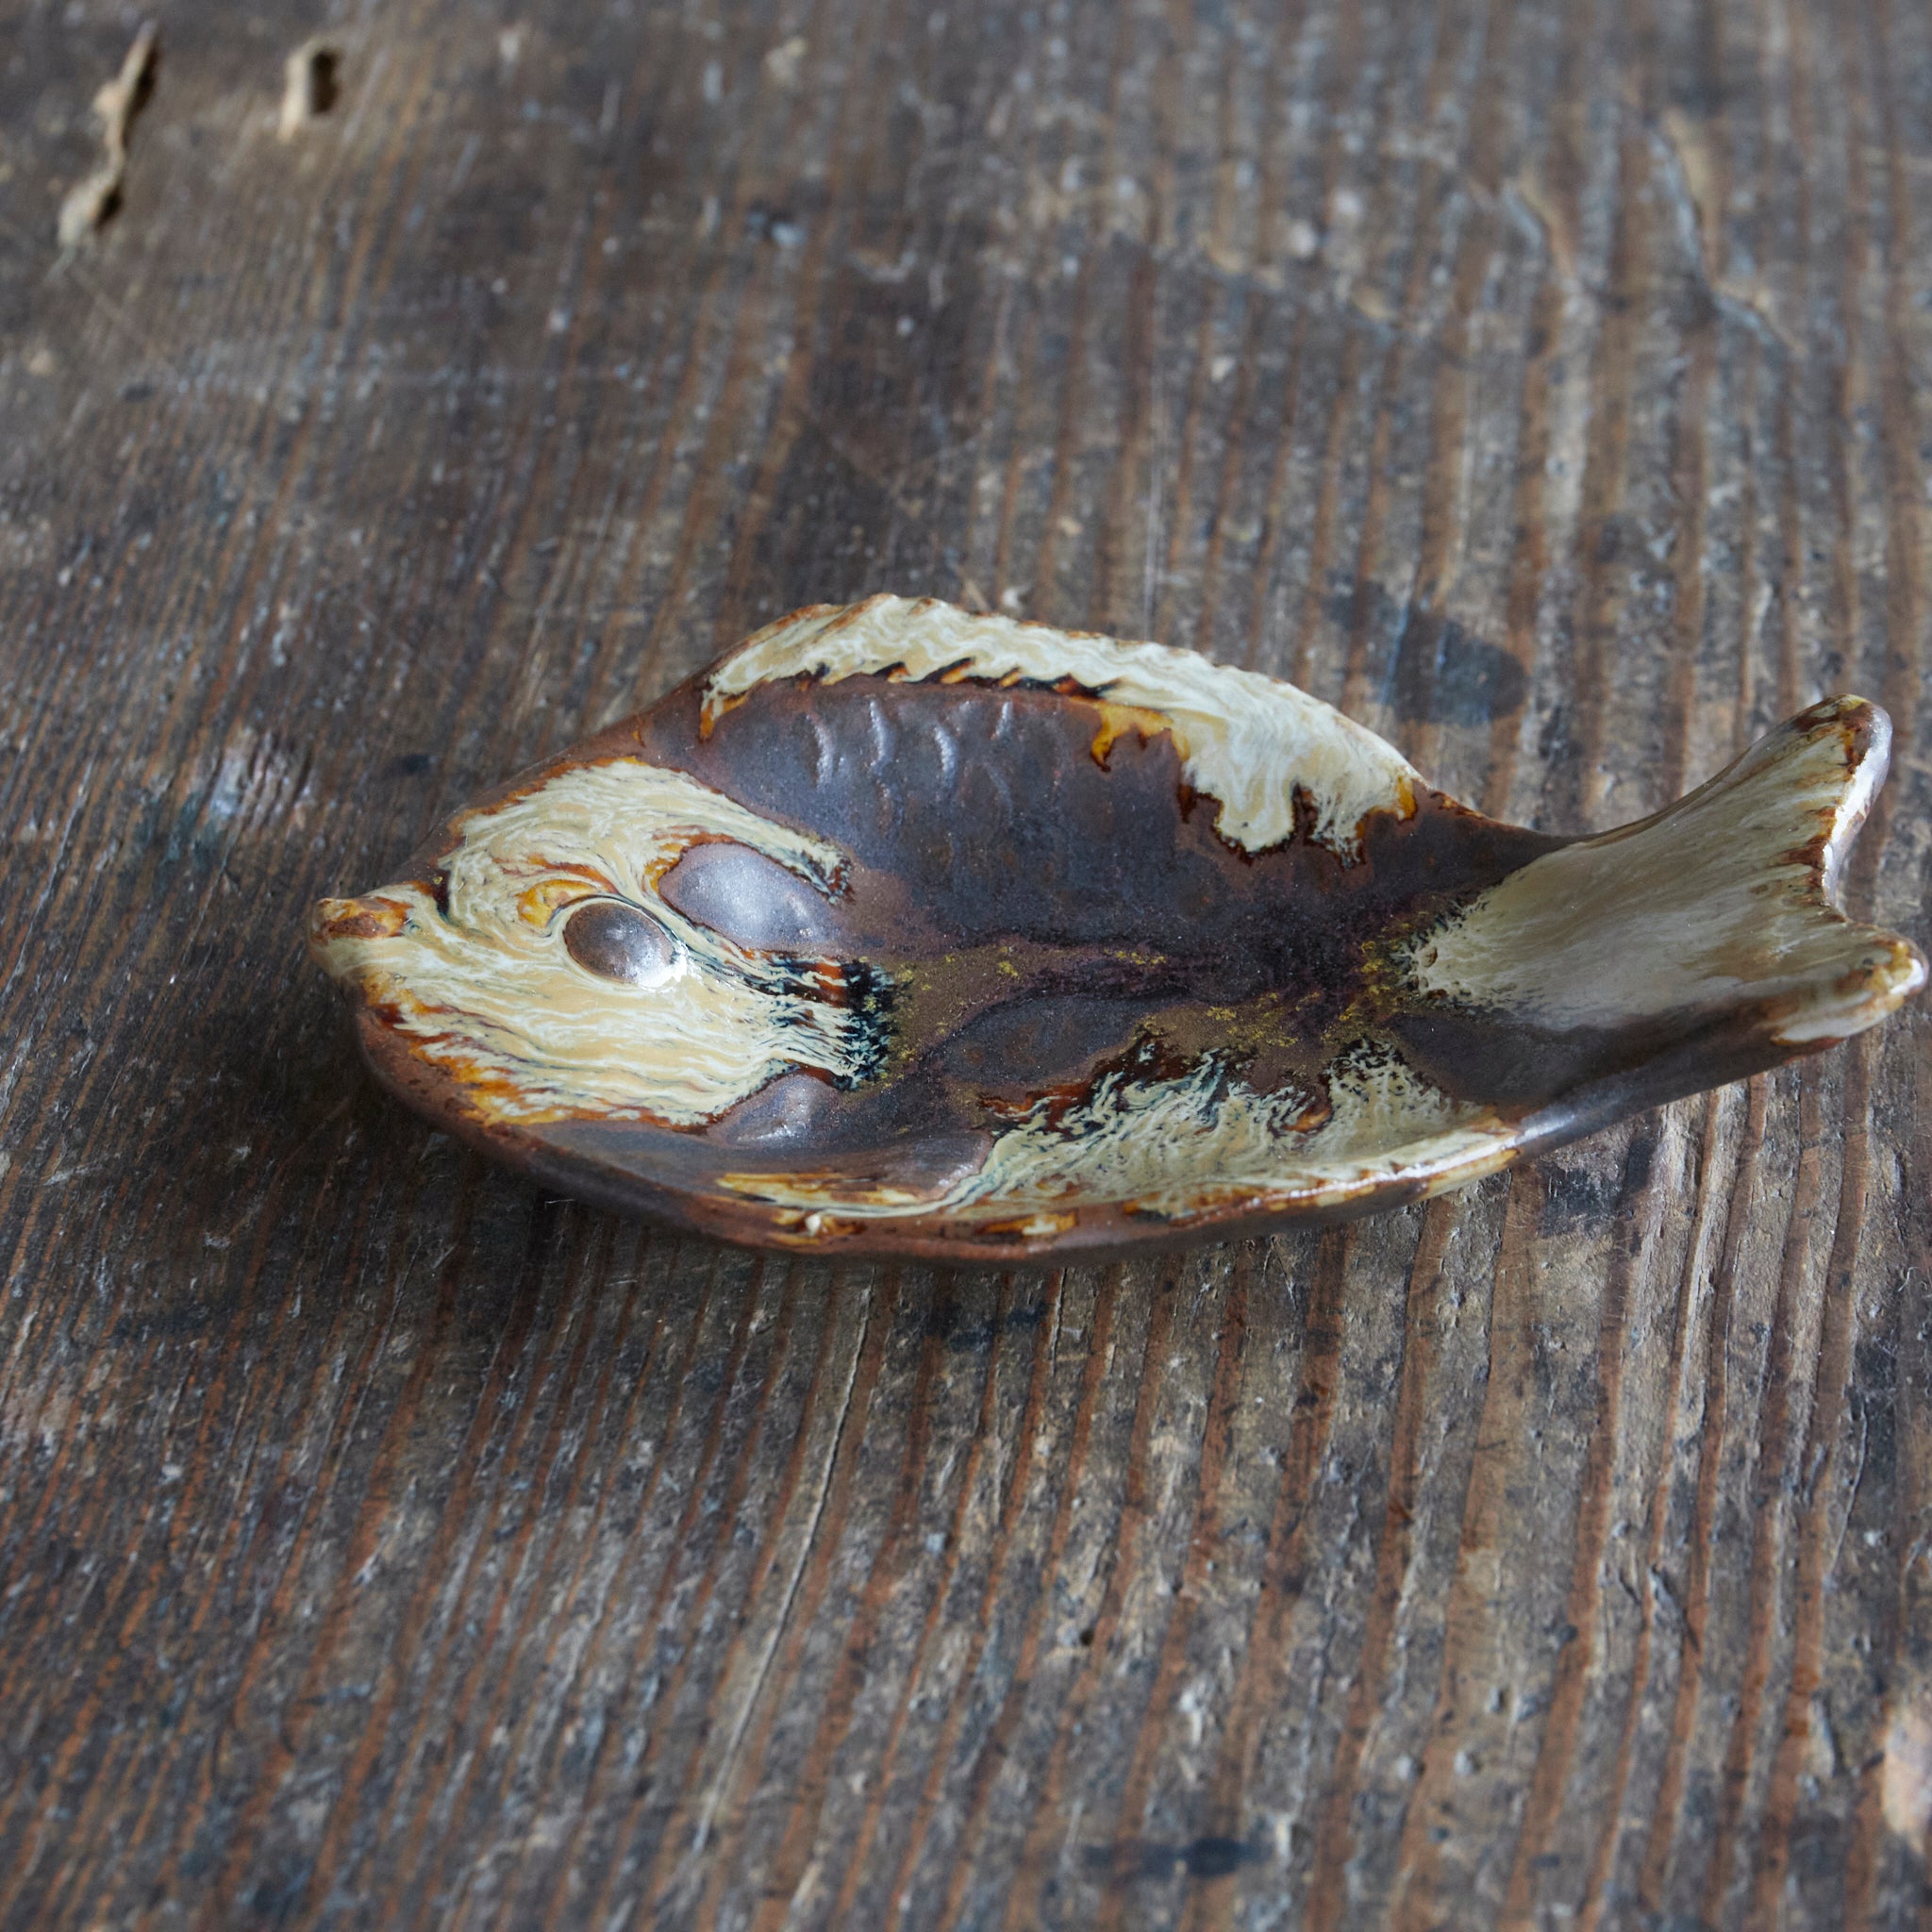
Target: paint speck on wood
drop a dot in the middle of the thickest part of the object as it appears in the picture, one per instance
(310, 85)
(96, 198)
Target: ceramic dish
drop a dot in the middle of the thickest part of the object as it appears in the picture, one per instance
(903, 931)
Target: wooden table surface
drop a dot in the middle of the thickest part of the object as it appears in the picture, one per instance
(383, 1543)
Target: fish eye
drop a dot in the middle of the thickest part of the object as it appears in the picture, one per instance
(617, 941)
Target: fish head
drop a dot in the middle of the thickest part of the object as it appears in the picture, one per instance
(536, 962)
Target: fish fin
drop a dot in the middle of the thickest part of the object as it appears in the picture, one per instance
(1724, 904)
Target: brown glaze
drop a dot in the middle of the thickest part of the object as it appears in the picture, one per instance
(1044, 1002)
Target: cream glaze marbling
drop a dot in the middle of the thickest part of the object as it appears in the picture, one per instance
(1187, 1146)
(1717, 901)
(490, 992)
(1249, 742)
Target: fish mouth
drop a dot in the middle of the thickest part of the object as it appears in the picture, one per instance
(333, 923)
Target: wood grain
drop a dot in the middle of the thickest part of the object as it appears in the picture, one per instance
(387, 1544)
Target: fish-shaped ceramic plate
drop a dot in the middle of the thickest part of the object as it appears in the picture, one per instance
(905, 931)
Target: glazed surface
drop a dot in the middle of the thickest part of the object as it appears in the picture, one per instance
(953, 932)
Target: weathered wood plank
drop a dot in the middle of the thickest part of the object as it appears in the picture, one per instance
(383, 1541)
